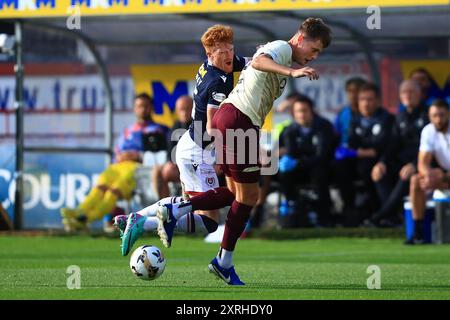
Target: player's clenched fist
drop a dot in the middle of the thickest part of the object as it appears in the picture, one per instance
(305, 72)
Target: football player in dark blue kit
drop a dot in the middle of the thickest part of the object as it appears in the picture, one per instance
(195, 154)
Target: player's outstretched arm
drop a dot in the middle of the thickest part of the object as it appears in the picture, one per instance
(265, 63)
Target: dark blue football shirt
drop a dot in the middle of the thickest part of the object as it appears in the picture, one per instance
(212, 87)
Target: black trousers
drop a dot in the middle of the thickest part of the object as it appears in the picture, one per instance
(391, 190)
(318, 179)
(345, 173)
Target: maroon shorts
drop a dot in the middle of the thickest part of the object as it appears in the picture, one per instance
(237, 146)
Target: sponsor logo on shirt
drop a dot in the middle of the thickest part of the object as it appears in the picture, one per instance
(283, 83)
(219, 97)
(376, 129)
(207, 172)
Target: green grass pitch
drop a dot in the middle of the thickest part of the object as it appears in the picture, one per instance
(332, 268)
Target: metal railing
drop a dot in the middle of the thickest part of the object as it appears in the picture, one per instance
(20, 147)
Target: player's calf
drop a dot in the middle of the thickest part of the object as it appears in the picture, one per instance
(196, 223)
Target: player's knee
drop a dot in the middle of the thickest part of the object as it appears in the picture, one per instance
(415, 182)
(249, 198)
(169, 172)
(102, 187)
(119, 193)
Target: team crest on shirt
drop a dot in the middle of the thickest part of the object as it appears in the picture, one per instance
(420, 122)
(315, 140)
(358, 131)
(210, 181)
(376, 129)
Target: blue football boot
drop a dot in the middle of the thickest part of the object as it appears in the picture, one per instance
(166, 224)
(228, 275)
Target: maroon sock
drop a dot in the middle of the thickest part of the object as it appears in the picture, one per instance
(212, 199)
(234, 226)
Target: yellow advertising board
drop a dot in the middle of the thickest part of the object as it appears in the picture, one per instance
(439, 69)
(61, 8)
(166, 83)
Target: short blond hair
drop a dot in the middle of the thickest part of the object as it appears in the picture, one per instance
(215, 34)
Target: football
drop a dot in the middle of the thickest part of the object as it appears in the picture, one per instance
(147, 262)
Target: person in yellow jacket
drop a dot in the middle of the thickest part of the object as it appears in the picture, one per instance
(118, 180)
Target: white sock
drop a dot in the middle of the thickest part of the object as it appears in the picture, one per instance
(151, 224)
(150, 211)
(181, 208)
(191, 223)
(225, 258)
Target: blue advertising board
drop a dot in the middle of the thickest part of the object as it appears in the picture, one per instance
(51, 181)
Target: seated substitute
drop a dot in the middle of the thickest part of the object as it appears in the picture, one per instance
(285, 107)
(399, 160)
(430, 89)
(433, 165)
(306, 149)
(369, 134)
(345, 115)
(118, 180)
